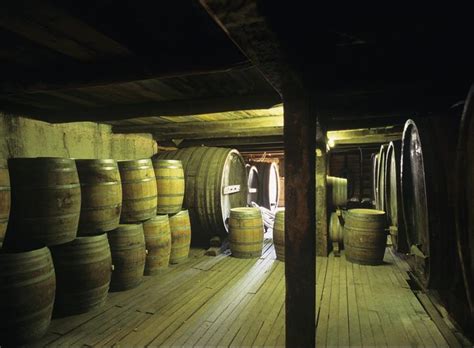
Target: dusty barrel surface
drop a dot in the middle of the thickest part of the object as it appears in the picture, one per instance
(336, 191)
(365, 237)
(246, 232)
(279, 234)
(252, 184)
(101, 191)
(215, 182)
(180, 227)
(27, 289)
(170, 185)
(5, 198)
(127, 246)
(268, 184)
(46, 201)
(83, 270)
(336, 230)
(138, 190)
(158, 243)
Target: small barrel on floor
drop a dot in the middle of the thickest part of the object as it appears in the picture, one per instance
(127, 246)
(101, 191)
(279, 234)
(336, 230)
(158, 243)
(180, 227)
(27, 289)
(246, 232)
(170, 185)
(365, 236)
(5, 198)
(138, 190)
(83, 271)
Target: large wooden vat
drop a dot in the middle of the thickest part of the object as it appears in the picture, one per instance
(279, 234)
(138, 190)
(215, 182)
(252, 184)
(46, 202)
(375, 164)
(269, 184)
(83, 271)
(180, 227)
(428, 217)
(246, 232)
(5, 198)
(27, 289)
(127, 246)
(393, 197)
(365, 237)
(380, 178)
(170, 185)
(336, 191)
(101, 191)
(158, 243)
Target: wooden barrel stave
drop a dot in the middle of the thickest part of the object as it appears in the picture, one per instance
(158, 243)
(83, 272)
(46, 202)
(170, 185)
(180, 227)
(139, 192)
(127, 246)
(5, 198)
(246, 232)
(279, 234)
(27, 291)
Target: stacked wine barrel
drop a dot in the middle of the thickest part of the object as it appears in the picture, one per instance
(246, 232)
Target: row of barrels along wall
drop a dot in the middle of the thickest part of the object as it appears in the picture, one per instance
(78, 274)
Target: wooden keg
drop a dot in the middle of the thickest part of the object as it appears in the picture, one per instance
(138, 190)
(5, 198)
(170, 185)
(268, 184)
(365, 237)
(127, 245)
(393, 197)
(336, 191)
(336, 230)
(158, 243)
(101, 191)
(27, 289)
(215, 182)
(279, 234)
(246, 232)
(180, 227)
(252, 184)
(46, 202)
(83, 271)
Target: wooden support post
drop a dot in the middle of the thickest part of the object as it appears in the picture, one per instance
(321, 200)
(300, 260)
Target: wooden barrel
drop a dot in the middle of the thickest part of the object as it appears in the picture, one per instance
(5, 198)
(336, 230)
(27, 288)
(158, 243)
(170, 185)
(252, 184)
(364, 236)
(246, 232)
(427, 215)
(393, 197)
(215, 182)
(127, 245)
(101, 191)
(464, 198)
(46, 202)
(138, 190)
(380, 177)
(269, 184)
(336, 191)
(180, 227)
(279, 234)
(83, 271)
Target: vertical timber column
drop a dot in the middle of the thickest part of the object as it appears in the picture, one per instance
(321, 200)
(300, 259)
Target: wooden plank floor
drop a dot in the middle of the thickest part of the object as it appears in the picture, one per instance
(224, 301)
